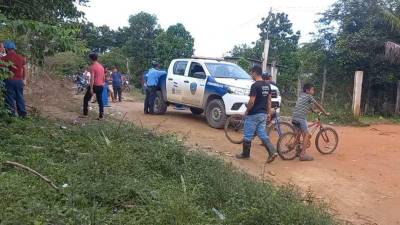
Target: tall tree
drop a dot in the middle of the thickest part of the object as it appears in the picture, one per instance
(392, 49)
(42, 10)
(99, 39)
(278, 29)
(247, 51)
(176, 42)
(140, 45)
(360, 36)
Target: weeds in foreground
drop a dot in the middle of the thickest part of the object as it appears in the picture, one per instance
(112, 173)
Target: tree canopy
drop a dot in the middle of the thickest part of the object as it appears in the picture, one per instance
(42, 10)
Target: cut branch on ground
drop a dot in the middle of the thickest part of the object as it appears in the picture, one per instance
(32, 171)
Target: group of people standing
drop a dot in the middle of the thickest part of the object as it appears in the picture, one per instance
(98, 81)
(259, 112)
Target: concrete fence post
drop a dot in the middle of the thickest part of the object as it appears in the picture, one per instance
(358, 80)
(397, 109)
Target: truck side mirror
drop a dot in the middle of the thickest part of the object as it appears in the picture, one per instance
(200, 75)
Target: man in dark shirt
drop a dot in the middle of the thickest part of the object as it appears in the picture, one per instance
(15, 84)
(117, 83)
(258, 109)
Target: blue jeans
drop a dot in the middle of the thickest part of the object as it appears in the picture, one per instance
(15, 97)
(256, 124)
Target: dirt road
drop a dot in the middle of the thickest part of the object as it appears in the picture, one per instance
(361, 180)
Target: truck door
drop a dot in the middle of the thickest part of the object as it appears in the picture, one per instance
(195, 85)
(175, 81)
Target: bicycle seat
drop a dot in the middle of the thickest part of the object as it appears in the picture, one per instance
(296, 124)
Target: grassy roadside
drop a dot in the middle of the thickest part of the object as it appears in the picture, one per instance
(111, 174)
(380, 120)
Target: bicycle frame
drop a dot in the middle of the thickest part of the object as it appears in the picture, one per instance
(317, 126)
(277, 119)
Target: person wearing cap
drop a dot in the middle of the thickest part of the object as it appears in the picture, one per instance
(151, 79)
(97, 80)
(14, 93)
(268, 77)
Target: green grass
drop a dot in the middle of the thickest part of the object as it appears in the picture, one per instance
(128, 175)
(380, 119)
(137, 94)
(338, 116)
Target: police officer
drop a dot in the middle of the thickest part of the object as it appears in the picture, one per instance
(151, 79)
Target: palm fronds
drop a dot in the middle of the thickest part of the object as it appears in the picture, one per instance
(391, 19)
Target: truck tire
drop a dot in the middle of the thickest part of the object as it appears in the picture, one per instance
(160, 106)
(215, 113)
(196, 111)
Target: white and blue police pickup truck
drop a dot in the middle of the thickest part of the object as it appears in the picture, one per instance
(210, 86)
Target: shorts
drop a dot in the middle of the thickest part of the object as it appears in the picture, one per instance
(301, 124)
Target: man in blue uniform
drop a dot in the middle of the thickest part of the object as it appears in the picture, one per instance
(151, 79)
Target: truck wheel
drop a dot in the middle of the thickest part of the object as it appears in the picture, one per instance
(196, 111)
(160, 106)
(215, 113)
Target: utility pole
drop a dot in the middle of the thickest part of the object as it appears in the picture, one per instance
(266, 53)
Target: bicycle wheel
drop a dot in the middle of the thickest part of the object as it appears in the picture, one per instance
(327, 140)
(234, 126)
(288, 146)
(274, 133)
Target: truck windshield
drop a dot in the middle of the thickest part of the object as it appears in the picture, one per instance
(219, 70)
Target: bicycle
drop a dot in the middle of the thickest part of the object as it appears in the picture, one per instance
(81, 86)
(126, 87)
(326, 141)
(234, 127)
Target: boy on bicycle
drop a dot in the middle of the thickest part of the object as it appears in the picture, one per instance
(258, 109)
(304, 104)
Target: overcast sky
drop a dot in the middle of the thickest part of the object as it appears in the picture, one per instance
(216, 25)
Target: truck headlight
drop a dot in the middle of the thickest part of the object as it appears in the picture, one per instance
(239, 91)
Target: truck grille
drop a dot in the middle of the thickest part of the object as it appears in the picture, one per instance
(274, 104)
(274, 94)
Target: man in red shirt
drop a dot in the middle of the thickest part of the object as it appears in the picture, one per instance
(15, 84)
(97, 80)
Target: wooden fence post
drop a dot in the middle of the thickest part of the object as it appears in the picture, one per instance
(323, 86)
(397, 110)
(357, 91)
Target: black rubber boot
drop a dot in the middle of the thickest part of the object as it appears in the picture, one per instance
(246, 151)
(272, 153)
